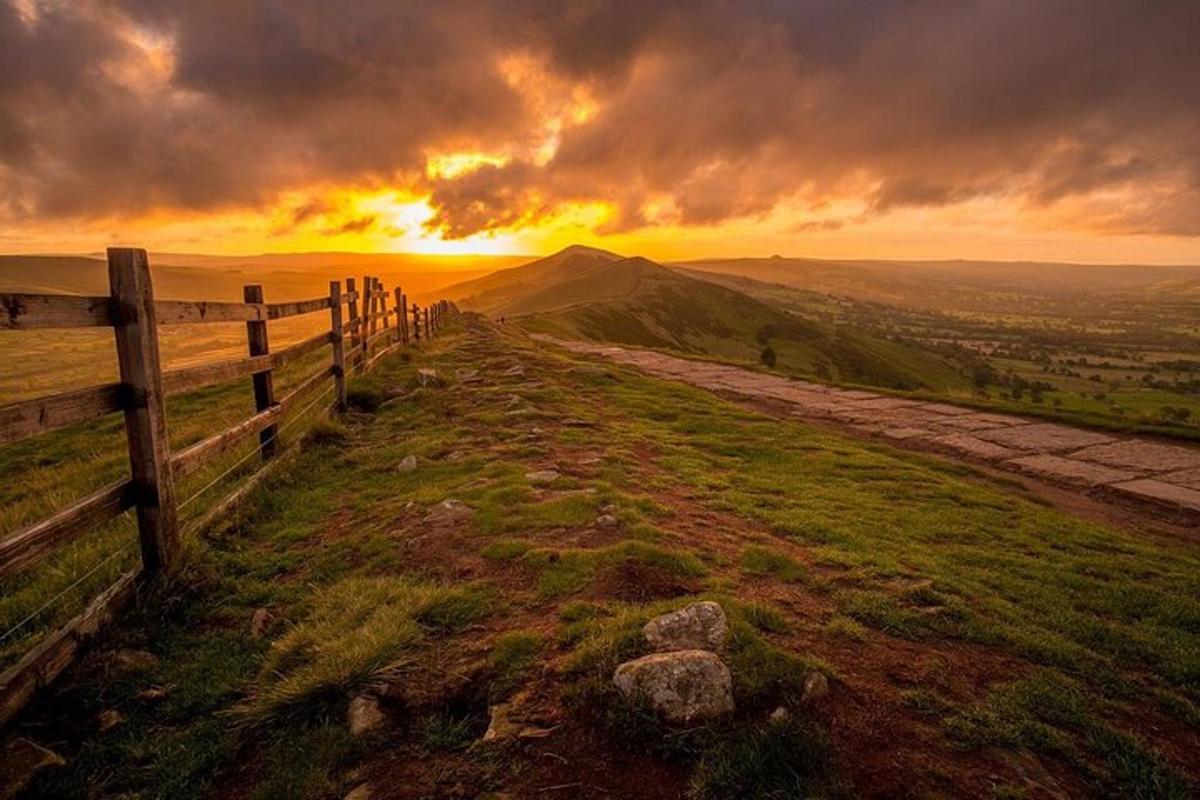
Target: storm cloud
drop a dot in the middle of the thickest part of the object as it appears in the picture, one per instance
(689, 112)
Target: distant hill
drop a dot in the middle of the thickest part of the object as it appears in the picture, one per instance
(284, 276)
(587, 293)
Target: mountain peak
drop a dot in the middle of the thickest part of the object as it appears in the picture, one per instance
(584, 250)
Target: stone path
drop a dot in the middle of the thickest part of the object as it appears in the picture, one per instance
(1139, 469)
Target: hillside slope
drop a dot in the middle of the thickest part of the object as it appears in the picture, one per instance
(593, 294)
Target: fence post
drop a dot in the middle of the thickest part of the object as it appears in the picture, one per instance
(264, 384)
(428, 335)
(383, 305)
(339, 351)
(352, 307)
(401, 320)
(136, 332)
(416, 312)
(368, 317)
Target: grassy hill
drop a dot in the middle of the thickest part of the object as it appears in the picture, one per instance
(594, 294)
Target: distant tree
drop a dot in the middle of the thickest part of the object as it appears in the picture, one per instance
(768, 356)
(983, 375)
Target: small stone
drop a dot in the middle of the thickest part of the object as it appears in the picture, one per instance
(542, 476)
(20, 761)
(684, 686)
(109, 719)
(448, 511)
(699, 626)
(133, 659)
(260, 622)
(816, 686)
(606, 521)
(407, 464)
(360, 792)
(780, 715)
(363, 715)
(153, 693)
(428, 377)
(505, 724)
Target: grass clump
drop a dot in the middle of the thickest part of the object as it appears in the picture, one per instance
(758, 560)
(512, 657)
(505, 549)
(779, 760)
(326, 433)
(364, 397)
(357, 628)
(567, 571)
(446, 732)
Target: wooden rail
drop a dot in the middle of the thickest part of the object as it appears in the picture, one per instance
(134, 314)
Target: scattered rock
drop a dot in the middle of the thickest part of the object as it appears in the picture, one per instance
(260, 622)
(133, 660)
(428, 377)
(779, 715)
(360, 792)
(407, 464)
(699, 626)
(153, 693)
(542, 476)
(448, 511)
(816, 686)
(684, 686)
(109, 719)
(363, 715)
(20, 760)
(506, 724)
(606, 521)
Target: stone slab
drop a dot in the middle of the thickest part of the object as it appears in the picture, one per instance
(1142, 455)
(968, 423)
(1070, 471)
(1161, 492)
(968, 445)
(885, 403)
(948, 410)
(908, 433)
(1185, 477)
(1045, 437)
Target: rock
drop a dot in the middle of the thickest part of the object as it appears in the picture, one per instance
(448, 511)
(700, 626)
(542, 476)
(407, 464)
(20, 761)
(606, 521)
(816, 686)
(363, 715)
(505, 724)
(779, 715)
(260, 622)
(109, 719)
(684, 686)
(428, 377)
(133, 660)
(360, 792)
(153, 693)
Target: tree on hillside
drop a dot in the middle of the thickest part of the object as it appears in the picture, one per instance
(768, 356)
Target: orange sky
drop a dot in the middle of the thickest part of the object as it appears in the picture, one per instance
(674, 132)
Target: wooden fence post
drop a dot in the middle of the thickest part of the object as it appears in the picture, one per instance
(264, 384)
(368, 317)
(416, 312)
(136, 331)
(427, 331)
(355, 324)
(401, 319)
(383, 305)
(339, 351)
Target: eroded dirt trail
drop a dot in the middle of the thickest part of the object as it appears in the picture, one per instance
(1153, 477)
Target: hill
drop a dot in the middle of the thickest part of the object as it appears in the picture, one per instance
(593, 294)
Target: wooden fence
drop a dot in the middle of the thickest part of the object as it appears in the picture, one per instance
(356, 339)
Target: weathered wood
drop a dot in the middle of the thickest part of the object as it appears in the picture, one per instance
(427, 334)
(416, 315)
(190, 459)
(185, 312)
(298, 307)
(46, 661)
(31, 311)
(27, 418)
(30, 545)
(368, 322)
(383, 309)
(401, 317)
(335, 338)
(178, 381)
(136, 336)
(264, 384)
(355, 323)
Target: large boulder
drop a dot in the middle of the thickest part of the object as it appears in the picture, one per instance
(699, 626)
(683, 687)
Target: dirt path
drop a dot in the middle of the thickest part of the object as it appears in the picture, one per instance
(1138, 473)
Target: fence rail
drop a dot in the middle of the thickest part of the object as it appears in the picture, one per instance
(368, 330)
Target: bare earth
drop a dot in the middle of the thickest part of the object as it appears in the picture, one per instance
(1150, 473)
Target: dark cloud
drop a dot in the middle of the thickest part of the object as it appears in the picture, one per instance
(710, 108)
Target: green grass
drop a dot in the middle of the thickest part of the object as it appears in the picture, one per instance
(1091, 623)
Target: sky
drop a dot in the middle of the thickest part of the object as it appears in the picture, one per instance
(998, 129)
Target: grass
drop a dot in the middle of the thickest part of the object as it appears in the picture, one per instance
(1093, 624)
